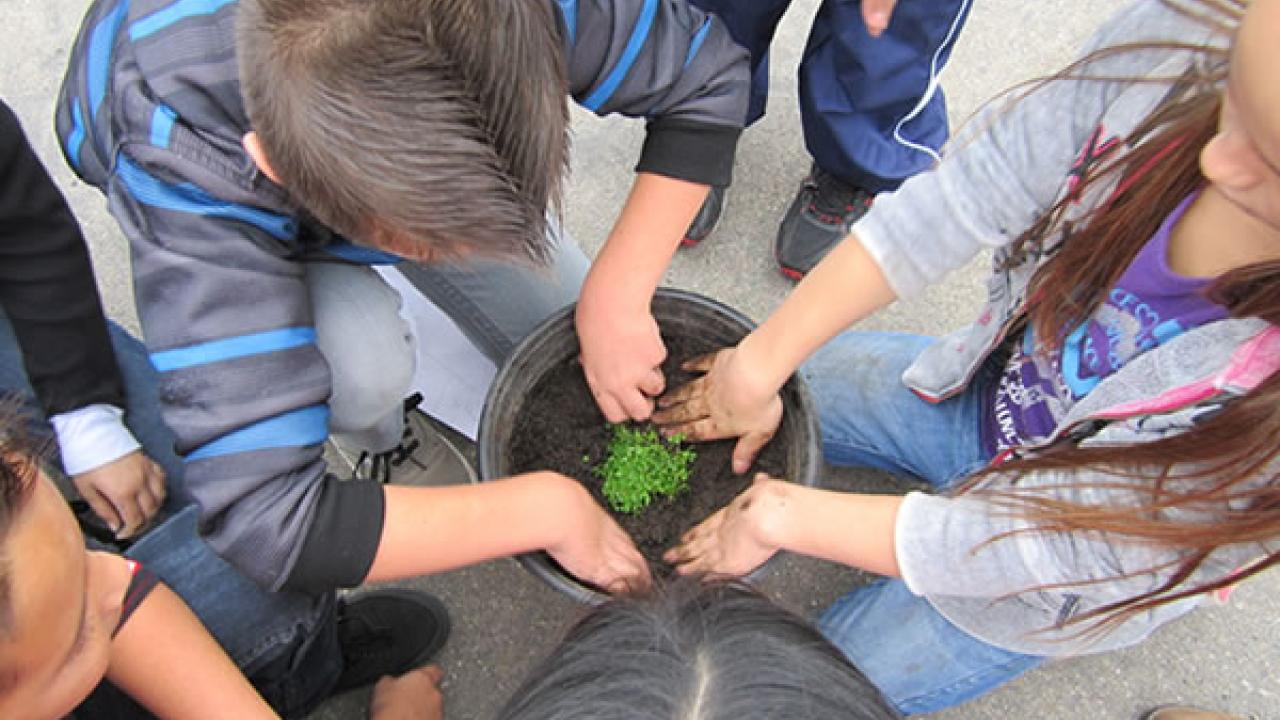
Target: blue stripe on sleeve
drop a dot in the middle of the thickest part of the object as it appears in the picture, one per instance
(188, 198)
(569, 9)
(363, 255)
(162, 120)
(698, 40)
(308, 426)
(639, 34)
(101, 40)
(76, 139)
(180, 10)
(232, 348)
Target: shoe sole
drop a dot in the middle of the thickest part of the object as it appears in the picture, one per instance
(790, 273)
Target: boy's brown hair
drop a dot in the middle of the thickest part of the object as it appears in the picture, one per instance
(441, 121)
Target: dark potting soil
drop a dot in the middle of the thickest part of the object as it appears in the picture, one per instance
(560, 424)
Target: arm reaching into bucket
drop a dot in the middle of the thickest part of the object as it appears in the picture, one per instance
(433, 529)
(738, 395)
(849, 528)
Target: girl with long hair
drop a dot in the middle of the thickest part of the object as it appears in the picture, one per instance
(1104, 437)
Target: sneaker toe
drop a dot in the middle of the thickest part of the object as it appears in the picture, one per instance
(389, 632)
(803, 240)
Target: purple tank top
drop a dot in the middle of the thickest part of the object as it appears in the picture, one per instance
(1149, 305)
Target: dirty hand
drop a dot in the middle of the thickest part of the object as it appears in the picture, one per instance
(594, 549)
(622, 352)
(414, 695)
(876, 14)
(727, 401)
(125, 492)
(737, 538)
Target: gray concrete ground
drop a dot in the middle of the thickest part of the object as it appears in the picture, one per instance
(1222, 657)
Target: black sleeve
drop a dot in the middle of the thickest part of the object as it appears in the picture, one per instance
(46, 284)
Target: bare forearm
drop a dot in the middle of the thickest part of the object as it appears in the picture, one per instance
(845, 287)
(849, 528)
(433, 529)
(646, 235)
(166, 660)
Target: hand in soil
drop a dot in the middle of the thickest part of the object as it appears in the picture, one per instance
(725, 402)
(596, 550)
(621, 355)
(735, 539)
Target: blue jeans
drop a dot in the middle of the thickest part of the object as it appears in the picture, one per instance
(286, 643)
(869, 418)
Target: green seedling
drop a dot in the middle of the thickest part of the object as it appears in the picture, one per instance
(640, 465)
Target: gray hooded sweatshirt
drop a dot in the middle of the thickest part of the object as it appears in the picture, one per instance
(1012, 165)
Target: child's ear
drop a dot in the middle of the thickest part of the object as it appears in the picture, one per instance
(384, 238)
(253, 145)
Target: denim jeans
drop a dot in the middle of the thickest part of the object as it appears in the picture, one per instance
(869, 418)
(286, 643)
(494, 303)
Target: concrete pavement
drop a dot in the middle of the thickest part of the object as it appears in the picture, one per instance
(1222, 657)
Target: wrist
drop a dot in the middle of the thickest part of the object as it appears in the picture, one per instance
(611, 287)
(772, 513)
(561, 500)
(761, 369)
(92, 436)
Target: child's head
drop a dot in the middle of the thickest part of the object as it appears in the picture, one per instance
(428, 128)
(58, 603)
(696, 652)
(1243, 159)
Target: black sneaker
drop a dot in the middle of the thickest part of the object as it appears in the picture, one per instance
(423, 457)
(708, 215)
(388, 632)
(819, 217)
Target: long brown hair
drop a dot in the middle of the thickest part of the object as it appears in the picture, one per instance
(1224, 469)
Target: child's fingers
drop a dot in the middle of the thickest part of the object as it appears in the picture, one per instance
(746, 449)
(682, 394)
(654, 383)
(434, 673)
(155, 478)
(102, 508)
(132, 514)
(636, 404)
(693, 431)
(609, 407)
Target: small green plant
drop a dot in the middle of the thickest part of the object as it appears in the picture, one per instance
(640, 465)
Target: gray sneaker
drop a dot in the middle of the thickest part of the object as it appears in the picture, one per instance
(819, 217)
(423, 457)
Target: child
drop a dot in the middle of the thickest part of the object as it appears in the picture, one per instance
(239, 144)
(71, 617)
(689, 650)
(1106, 432)
(93, 383)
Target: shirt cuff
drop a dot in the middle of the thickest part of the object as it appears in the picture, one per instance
(691, 151)
(92, 436)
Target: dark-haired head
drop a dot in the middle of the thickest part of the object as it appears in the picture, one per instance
(18, 470)
(692, 651)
